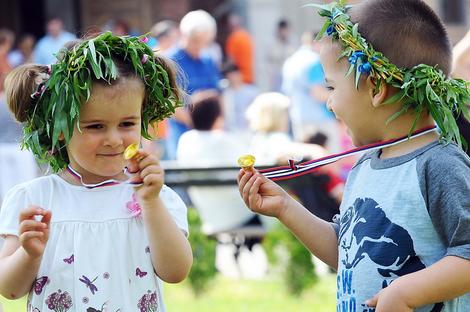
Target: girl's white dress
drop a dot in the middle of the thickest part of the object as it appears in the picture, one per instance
(97, 257)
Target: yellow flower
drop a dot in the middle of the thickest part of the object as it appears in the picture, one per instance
(246, 161)
(131, 151)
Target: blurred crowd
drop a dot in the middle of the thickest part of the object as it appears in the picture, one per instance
(225, 113)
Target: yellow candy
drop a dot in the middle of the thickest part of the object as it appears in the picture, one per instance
(131, 151)
(246, 161)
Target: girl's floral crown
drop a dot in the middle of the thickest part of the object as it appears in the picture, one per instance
(56, 105)
(422, 87)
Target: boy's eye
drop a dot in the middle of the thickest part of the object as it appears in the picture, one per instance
(330, 88)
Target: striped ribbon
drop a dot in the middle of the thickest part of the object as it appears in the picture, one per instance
(295, 170)
(110, 182)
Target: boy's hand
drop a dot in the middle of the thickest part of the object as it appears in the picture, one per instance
(389, 300)
(260, 194)
(149, 172)
(33, 234)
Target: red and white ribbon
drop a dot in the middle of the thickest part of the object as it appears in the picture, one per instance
(295, 170)
(110, 182)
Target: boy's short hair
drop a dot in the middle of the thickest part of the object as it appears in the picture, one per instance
(205, 111)
(407, 32)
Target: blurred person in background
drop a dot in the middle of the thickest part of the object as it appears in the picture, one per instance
(7, 38)
(52, 42)
(118, 27)
(208, 142)
(24, 51)
(269, 121)
(282, 47)
(239, 47)
(303, 81)
(198, 30)
(166, 35)
(461, 69)
(237, 96)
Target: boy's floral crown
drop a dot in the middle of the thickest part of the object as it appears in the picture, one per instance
(57, 102)
(422, 87)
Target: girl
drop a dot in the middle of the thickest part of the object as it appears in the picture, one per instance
(87, 238)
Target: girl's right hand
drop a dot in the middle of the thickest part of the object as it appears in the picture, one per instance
(34, 234)
(262, 195)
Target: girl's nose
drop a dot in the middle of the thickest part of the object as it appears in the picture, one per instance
(113, 138)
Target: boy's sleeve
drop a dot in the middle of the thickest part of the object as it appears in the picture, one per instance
(15, 200)
(447, 194)
(336, 224)
(176, 207)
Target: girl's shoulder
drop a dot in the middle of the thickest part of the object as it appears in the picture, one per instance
(34, 184)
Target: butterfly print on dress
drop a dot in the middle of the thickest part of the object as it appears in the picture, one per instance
(70, 259)
(39, 284)
(140, 273)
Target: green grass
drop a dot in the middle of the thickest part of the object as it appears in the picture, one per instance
(229, 295)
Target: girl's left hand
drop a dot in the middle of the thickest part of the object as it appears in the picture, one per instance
(147, 169)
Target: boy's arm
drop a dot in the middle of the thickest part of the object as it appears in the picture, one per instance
(444, 280)
(316, 234)
(17, 269)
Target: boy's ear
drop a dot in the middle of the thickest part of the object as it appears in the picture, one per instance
(378, 91)
(61, 137)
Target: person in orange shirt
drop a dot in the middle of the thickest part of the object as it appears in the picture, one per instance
(239, 48)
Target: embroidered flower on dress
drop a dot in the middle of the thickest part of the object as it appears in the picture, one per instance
(59, 301)
(106, 275)
(85, 300)
(148, 302)
(133, 206)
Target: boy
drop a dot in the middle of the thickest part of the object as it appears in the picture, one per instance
(406, 210)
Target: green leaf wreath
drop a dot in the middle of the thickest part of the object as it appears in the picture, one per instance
(422, 87)
(57, 110)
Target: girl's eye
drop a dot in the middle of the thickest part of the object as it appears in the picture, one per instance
(128, 124)
(94, 127)
(330, 88)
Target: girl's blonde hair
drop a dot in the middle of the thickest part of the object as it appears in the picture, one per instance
(268, 112)
(20, 84)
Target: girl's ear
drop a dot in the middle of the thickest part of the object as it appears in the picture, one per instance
(61, 137)
(378, 91)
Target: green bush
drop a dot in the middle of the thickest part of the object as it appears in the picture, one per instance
(284, 249)
(203, 270)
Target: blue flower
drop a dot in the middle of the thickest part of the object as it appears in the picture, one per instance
(330, 30)
(355, 56)
(365, 68)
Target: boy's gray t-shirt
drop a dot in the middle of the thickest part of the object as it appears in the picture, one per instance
(398, 216)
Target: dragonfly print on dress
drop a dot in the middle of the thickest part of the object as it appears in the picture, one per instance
(89, 283)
